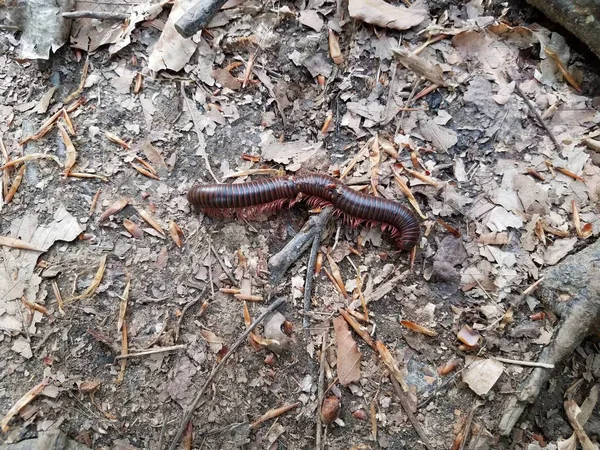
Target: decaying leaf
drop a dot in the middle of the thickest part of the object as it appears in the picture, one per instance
(215, 342)
(378, 12)
(22, 402)
(348, 355)
(95, 282)
(113, 209)
(481, 374)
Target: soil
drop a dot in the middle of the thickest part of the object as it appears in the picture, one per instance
(157, 388)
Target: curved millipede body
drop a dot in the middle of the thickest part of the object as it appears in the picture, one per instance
(317, 189)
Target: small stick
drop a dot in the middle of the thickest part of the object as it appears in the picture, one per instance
(525, 363)
(100, 15)
(308, 287)
(223, 266)
(536, 113)
(185, 308)
(320, 391)
(467, 426)
(413, 420)
(152, 351)
(190, 411)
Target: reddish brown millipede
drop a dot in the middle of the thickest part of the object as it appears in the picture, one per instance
(317, 190)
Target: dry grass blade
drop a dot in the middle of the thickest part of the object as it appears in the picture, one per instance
(230, 290)
(138, 83)
(569, 174)
(272, 413)
(335, 283)
(391, 364)
(68, 122)
(362, 332)
(334, 48)
(79, 89)
(34, 306)
(44, 128)
(150, 220)
(95, 282)
(58, 295)
(576, 221)
(336, 273)
(409, 195)
(359, 156)
(86, 176)
(114, 208)
(418, 328)
(249, 297)
(563, 70)
(176, 233)
(124, 353)
(15, 184)
(123, 304)
(449, 228)
(117, 140)
(21, 403)
(374, 158)
(145, 171)
(18, 243)
(30, 157)
(248, 172)
(424, 178)
(71, 153)
(94, 202)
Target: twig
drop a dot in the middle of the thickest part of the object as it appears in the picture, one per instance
(320, 391)
(536, 113)
(223, 266)
(152, 351)
(100, 15)
(413, 420)
(281, 262)
(525, 363)
(467, 426)
(308, 286)
(201, 141)
(185, 308)
(163, 428)
(190, 411)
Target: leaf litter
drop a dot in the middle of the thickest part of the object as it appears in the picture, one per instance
(435, 120)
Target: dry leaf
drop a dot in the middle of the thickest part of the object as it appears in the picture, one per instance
(114, 208)
(481, 374)
(215, 343)
(391, 364)
(378, 12)
(95, 282)
(18, 243)
(348, 355)
(21, 403)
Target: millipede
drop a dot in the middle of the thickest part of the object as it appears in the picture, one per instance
(316, 189)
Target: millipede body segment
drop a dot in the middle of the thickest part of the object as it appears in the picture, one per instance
(316, 189)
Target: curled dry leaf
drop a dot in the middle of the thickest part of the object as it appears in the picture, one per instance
(15, 184)
(274, 413)
(418, 328)
(133, 228)
(348, 355)
(95, 282)
(378, 12)
(334, 48)
(22, 402)
(30, 157)
(18, 243)
(447, 368)
(114, 208)
(150, 220)
(391, 364)
(71, 153)
(468, 336)
(360, 414)
(336, 273)
(330, 410)
(176, 233)
(117, 140)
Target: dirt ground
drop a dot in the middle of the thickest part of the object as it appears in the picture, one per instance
(484, 160)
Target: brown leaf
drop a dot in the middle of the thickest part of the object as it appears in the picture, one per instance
(378, 12)
(114, 208)
(468, 336)
(330, 410)
(348, 355)
(215, 342)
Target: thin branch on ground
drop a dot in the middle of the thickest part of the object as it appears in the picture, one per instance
(524, 363)
(536, 113)
(100, 15)
(321, 391)
(153, 351)
(404, 401)
(190, 411)
(308, 287)
(185, 308)
(223, 266)
(282, 261)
